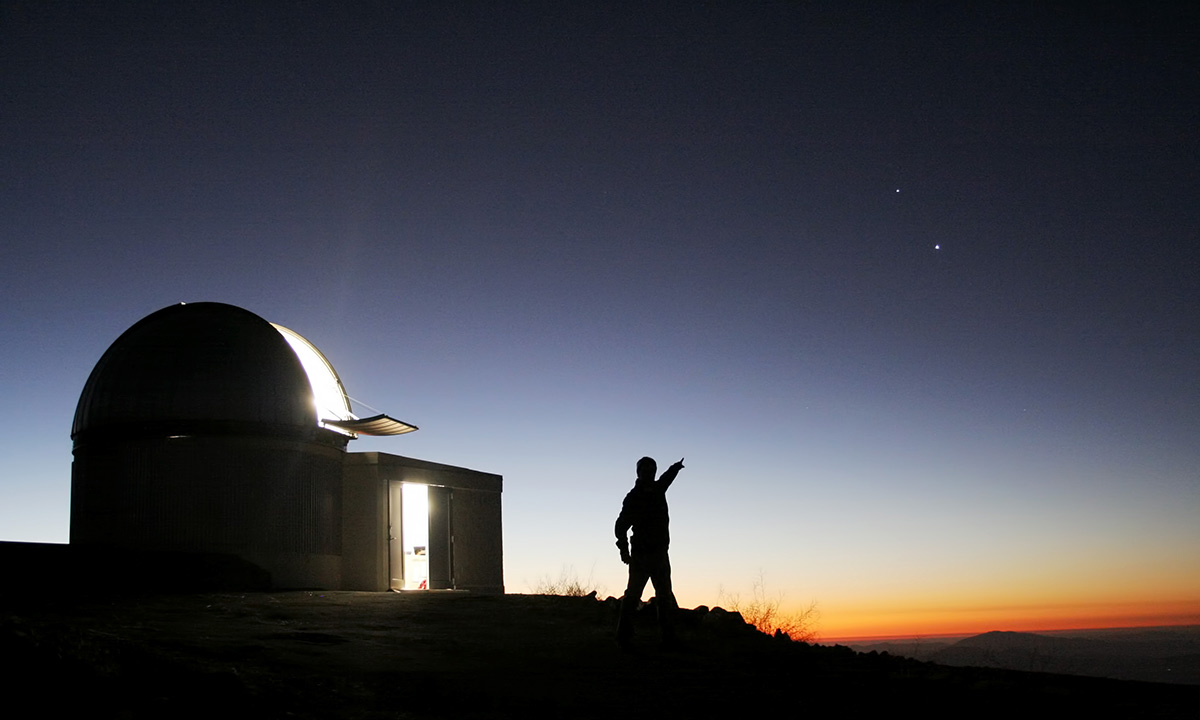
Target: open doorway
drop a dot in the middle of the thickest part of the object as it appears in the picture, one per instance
(414, 534)
(419, 546)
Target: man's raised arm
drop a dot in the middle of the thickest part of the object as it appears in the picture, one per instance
(669, 474)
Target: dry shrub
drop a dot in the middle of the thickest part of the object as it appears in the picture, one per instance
(568, 584)
(764, 613)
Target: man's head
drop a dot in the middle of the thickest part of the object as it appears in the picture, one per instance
(646, 469)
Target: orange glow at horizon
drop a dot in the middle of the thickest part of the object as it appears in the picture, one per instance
(863, 622)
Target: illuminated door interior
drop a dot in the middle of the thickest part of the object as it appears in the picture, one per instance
(414, 525)
(420, 545)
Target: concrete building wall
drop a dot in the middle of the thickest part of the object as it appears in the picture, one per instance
(473, 518)
(364, 527)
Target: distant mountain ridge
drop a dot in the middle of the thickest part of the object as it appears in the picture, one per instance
(1155, 655)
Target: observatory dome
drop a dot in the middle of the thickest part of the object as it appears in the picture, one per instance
(205, 366)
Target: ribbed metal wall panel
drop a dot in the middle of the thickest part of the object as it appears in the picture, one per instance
(245, 496)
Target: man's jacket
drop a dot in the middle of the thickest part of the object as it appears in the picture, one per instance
(645, 510)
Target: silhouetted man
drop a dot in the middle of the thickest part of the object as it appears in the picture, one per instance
(645, 510)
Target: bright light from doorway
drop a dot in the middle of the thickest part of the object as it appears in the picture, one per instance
(415, 531)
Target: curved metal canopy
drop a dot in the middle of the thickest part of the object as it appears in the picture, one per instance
(374, 425)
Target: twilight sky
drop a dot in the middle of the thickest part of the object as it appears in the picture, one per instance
(914, 288)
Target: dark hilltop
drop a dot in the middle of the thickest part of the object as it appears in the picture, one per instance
(310, 654)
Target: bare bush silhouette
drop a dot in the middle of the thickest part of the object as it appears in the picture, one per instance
(764, 612)
(567, 584)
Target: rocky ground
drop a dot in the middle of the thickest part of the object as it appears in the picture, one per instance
(435, 655)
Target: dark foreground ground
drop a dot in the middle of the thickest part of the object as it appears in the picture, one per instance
(383, 655)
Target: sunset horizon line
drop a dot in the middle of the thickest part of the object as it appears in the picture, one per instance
(859, 639)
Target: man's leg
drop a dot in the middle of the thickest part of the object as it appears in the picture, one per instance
(660, 576)
(638, 575)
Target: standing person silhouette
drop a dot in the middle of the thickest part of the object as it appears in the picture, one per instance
(645, 511)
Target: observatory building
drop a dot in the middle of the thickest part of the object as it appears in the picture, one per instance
(205, 430)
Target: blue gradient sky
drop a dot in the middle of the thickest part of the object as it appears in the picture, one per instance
(914, 289)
